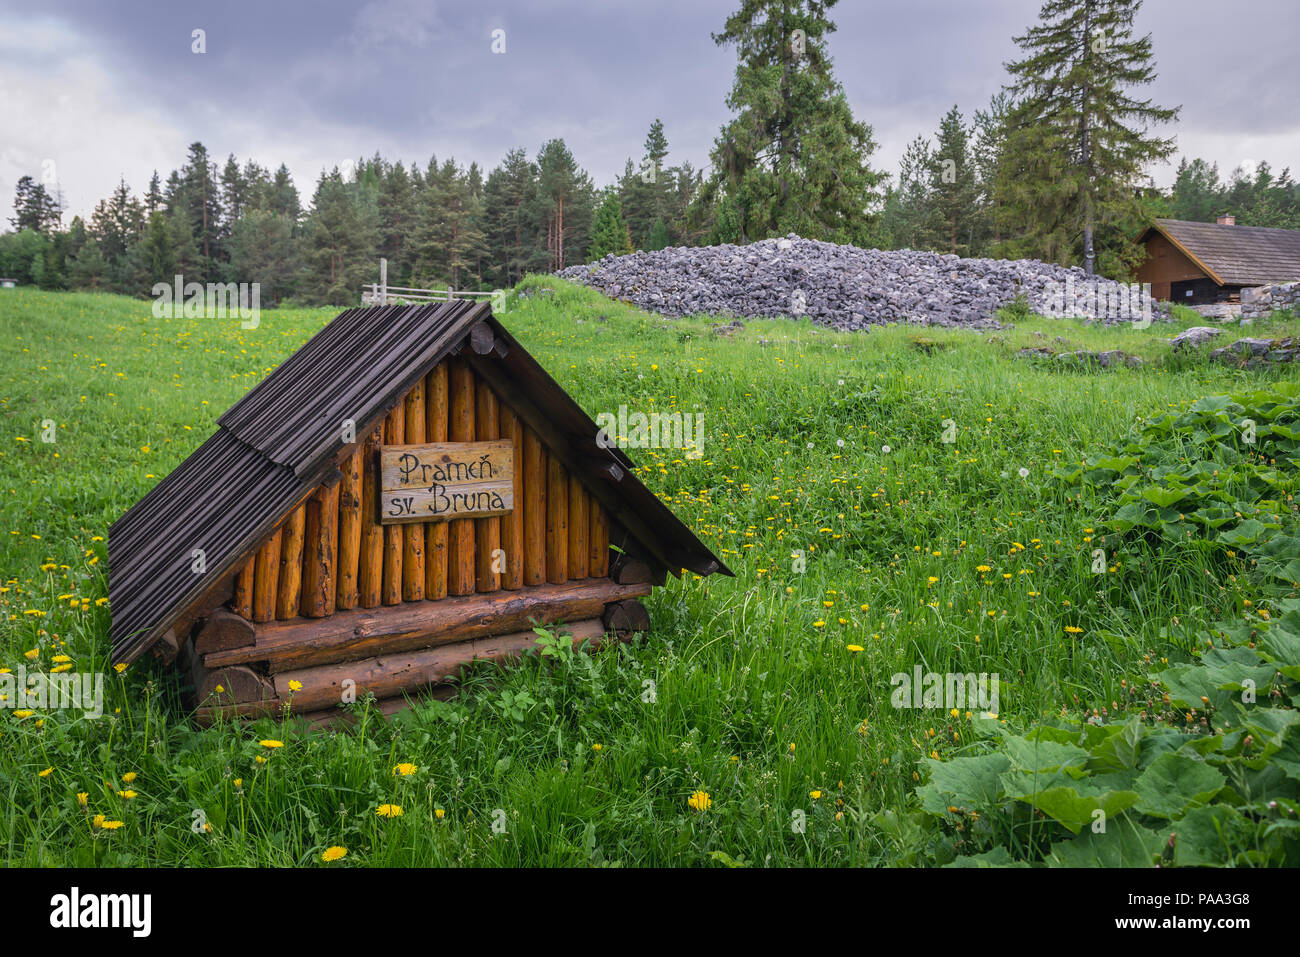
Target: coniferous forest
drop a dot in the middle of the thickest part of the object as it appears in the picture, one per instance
(1048, 169)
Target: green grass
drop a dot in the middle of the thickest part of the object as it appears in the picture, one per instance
(753, 696)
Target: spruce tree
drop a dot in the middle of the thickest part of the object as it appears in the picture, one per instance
(608, 231)
(953, 192)
(1079, 142)
(794, 159)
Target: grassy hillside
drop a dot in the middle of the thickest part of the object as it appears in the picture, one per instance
(863, 545)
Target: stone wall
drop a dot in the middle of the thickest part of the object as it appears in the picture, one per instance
(1258, 301)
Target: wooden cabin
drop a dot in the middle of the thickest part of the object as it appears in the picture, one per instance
(408, 492)
(1204, 263)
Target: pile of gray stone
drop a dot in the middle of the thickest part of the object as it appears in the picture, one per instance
(845, 287)
(1257, 301)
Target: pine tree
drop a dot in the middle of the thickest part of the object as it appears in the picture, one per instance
(197, 194)
(986, 153)
(907, 221)
(339, 241)
(1197, 194)
(1073, 103)
(35, 208)
(566, 194)
(794, 159)
(647, 190)
(153, 199)
(953, 192)
(608, 231)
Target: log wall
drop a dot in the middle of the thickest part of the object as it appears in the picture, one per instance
(331, 553)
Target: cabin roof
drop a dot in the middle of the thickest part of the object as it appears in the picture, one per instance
(282, 439)
(1235, 255)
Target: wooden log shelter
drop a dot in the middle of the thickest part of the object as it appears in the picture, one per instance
(407, 493)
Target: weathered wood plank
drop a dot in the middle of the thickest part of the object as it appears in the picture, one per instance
(320, 544)
(487, 530)
(222, 631)
(349, 565)
(241, 599)
(557, 521)
(370, 570)
(436, 417)
(413, 535)
(394, 539)
(366, 632)
(579, 528)
(443, 481)
(266, 577)
(290, 585)
(512, 524)
(460, 536)
(534, 509)
(323, 686)
(598, 558)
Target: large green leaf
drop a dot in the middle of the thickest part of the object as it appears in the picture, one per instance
(1075, 811)
(1119, 750)
(1040, 755)
(1175, 782)
(1211, 835)
(995, 857)
(1122, 844)
(963, 782)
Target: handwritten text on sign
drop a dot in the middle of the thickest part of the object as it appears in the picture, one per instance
(446, 480)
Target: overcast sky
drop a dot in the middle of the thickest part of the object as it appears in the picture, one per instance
(91, 90)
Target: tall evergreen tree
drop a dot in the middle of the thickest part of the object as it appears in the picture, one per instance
(35, 207)
(608, 231)
(953, 193)
(794, 159)
(566, 194)
(989, 144)
(198, 195)
(1079, 142)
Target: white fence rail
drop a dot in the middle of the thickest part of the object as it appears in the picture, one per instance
(382, 294)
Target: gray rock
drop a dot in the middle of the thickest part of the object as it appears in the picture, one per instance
(1194, 336)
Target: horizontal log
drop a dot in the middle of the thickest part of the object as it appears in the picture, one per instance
(222, 631)
(364, 632)
(324, 687)
(234, 685)
(335, 717)
(626, 617)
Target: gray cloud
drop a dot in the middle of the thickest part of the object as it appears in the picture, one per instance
(109, 90)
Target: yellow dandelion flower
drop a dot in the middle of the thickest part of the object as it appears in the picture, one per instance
(271, 743)
(700, 801)
(405, 769)
(46, 773)
(389, 810)
(334, 853)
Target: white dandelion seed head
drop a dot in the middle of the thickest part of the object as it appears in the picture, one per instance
(1024, 472)
(885, 449)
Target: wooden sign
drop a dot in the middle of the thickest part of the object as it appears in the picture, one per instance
(441, 481)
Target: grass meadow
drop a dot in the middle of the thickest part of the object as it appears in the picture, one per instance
(864, 545)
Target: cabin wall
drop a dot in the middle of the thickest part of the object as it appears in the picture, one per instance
(332, 553)
(1166, 264)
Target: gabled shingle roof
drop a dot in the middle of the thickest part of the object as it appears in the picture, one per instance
(1236, 255)
(278, 442)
